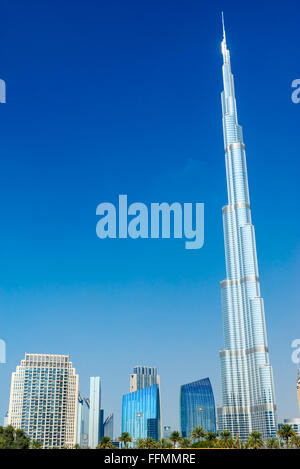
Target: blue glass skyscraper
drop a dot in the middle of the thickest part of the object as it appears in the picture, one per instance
(197, 407)
(141, 413)
(247, 379)
(141, 409)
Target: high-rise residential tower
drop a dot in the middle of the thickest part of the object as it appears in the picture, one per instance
(96, 413)
(43, 399)
(197, 407)
(142, 377)
(247, 378)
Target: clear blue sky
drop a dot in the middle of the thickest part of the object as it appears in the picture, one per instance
(108, 98)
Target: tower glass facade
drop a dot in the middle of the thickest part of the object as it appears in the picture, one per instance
(141, 413)
(43, 399)
(96, 414)
(108, 426)
(197, 407)
(247, 378)
(83, 421)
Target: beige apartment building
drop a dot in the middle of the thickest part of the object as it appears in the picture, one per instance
(43, 399)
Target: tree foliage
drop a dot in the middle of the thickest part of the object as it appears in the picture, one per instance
(11, 438)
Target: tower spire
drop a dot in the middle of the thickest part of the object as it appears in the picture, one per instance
(247, 377)
(224, 49)
(223, 24)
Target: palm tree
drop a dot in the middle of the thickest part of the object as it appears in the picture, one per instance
(255, 440)
(272, 443)
(147, 443)
(36, 444)
(140, 444)
(211, 437)
(105, 442)
(286, 432)
(226, 440)
(164, 444)
(125, 438)
(185, 442)
(150, 443)
(296, 441)
(175, 438)
(225, 435)
(198, 433)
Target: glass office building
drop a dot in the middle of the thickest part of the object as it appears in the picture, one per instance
(141, 413)
(197, 407)
(247, 377)
(142, 377)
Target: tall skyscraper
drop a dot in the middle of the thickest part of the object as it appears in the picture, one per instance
(108, 426)
(141, 408)
(197, 407)
(96, 415)
(43, 399)
(247, 378)
(83, 421)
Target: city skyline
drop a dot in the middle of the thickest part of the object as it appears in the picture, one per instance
(48, 382)
(55, 271)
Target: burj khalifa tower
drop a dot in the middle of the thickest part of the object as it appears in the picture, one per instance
(247, 377)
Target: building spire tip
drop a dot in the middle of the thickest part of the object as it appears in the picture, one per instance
(223, 24)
